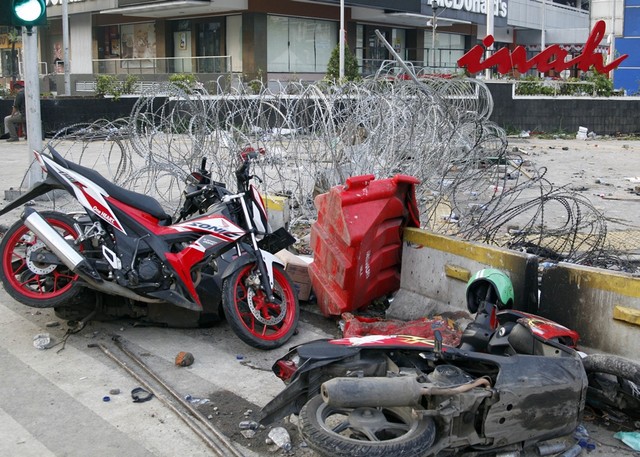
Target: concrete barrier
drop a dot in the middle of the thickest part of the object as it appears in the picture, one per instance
(436, 268)
(601, 305)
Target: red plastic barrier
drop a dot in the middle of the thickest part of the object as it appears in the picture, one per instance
(357, 241)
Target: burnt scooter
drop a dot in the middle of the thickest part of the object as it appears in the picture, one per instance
(512, 382)
(217, 257)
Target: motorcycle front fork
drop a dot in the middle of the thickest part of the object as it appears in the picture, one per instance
(266, 272)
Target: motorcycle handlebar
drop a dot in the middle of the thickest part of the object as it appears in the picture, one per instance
(195, 193)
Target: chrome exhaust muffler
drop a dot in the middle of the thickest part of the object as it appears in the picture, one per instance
(74, 260)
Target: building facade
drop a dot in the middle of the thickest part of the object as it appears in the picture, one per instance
(287, 39)
(623, 24)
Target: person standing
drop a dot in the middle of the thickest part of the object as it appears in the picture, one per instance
(17, 115)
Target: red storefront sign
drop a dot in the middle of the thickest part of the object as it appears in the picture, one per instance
(552, 58)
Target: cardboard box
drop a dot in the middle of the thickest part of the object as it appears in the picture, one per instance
(297, 267)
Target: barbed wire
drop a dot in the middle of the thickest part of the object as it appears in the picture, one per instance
(316, 135)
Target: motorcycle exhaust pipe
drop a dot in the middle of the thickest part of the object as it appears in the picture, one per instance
(372, 391)
(386, 392)
(73, 260)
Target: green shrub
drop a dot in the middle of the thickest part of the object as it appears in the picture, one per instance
(351, 70)
(604, 84)
(184, 81)
(110, 85)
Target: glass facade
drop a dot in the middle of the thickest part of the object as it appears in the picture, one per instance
(299, 45)
(448, 49)
(137, 41)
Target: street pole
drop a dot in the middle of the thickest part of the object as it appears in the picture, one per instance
(543, 43)
(342, 33)
(434, 24)
(490, 30)
(65, 45)
(32, 100)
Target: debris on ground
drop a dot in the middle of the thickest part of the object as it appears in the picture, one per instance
(184, 359)
(195, 400)
(42, 341)
(280, 437)
(141, 395)
(631, 439)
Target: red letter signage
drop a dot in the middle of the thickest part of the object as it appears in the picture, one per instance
(551, 58)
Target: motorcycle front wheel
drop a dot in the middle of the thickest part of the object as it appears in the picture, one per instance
(614, 384)
(367, 431)
(28, 273)
(257, 322)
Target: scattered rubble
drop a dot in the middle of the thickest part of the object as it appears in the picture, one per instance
(184, 359)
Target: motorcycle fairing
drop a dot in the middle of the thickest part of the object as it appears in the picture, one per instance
(218, 226)
(88, 193)
(537, 398)
(390, 341)
(260, 219)
(542, 328)
(141, 201)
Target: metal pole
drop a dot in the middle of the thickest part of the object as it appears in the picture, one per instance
(32, 99)
(490, 30)
(342, 33)
(434, 24)
(543, 43)
(65, 46)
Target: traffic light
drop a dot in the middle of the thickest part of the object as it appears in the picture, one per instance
(28, 13)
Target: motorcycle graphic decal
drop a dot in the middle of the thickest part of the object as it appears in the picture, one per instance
(259, 210)
(384, 340)
(217, 226)
(90, 195)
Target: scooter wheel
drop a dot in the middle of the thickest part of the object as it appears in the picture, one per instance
(27, 272)
(257, 322)
(365, 432)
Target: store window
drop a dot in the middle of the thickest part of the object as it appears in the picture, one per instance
(299, 45)
(448, 49)
(211, 37)
(128, 41)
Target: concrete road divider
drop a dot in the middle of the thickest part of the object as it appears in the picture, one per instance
(602, 306)
(436, 268)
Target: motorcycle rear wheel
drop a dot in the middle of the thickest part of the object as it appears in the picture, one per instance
(614, 384)
(258, 323)
(365, 432)
(33, 283)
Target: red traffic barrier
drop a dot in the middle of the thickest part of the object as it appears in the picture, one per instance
(357, 240)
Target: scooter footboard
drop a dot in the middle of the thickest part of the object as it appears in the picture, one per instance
(537, 398)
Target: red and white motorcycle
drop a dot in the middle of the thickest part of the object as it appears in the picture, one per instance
(217, 257)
